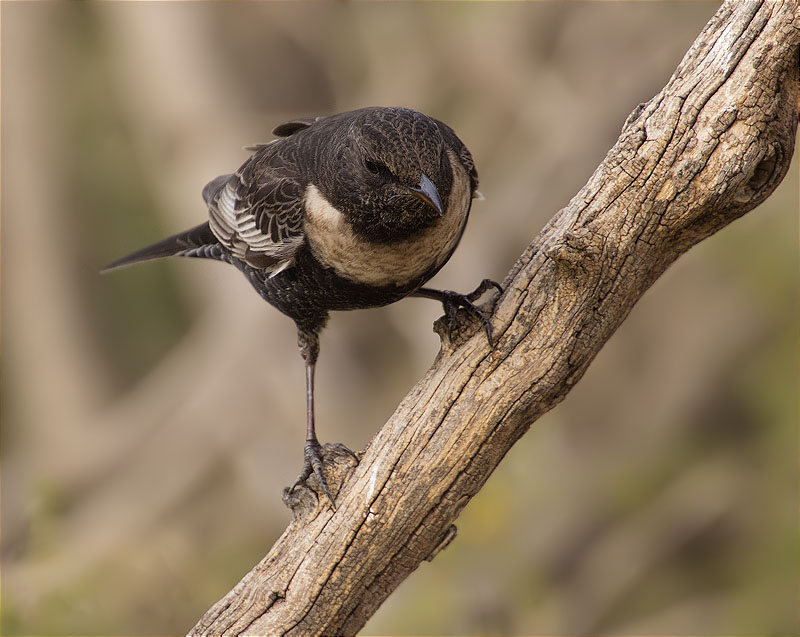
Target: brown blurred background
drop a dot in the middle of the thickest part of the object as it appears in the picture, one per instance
(152, 416)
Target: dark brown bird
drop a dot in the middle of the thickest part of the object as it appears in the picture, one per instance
(350, 211)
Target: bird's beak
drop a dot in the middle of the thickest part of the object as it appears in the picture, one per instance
(427, 192)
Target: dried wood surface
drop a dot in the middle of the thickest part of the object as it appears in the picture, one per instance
(711, 146)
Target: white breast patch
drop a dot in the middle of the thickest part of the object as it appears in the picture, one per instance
(334, 244)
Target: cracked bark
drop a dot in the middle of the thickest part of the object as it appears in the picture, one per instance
(711, 146)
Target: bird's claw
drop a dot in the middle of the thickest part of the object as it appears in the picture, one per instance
(314, 456)
(312, 463)
(453, 301)
(484, 286)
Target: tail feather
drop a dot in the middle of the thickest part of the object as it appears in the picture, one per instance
(196, 242)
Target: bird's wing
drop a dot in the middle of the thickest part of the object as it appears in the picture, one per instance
(290, 128)
(287, 129)
(257, 213)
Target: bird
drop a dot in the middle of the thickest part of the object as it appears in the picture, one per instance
(339, 212)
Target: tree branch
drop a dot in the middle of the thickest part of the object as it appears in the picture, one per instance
(711, 146)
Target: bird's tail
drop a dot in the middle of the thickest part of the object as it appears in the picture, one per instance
(196, 242)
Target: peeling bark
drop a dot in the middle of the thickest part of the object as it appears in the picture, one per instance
(711, 146)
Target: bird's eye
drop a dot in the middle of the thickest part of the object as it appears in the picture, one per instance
(373, 167)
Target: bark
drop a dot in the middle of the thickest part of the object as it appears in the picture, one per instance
(711, 146)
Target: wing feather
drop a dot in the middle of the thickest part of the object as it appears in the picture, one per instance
(257, 213)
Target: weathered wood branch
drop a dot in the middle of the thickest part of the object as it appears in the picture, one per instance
(711, 146)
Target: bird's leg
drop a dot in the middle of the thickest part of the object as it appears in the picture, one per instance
(453, 301)
(309, 349)
(335, 456)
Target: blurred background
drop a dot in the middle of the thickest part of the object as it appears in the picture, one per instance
(152, 416)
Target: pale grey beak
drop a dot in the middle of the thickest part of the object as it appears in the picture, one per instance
(427, 192)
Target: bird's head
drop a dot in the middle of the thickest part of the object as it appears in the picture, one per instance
(390, 174)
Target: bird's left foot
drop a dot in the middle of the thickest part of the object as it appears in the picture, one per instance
(453, 301)
(333, 459)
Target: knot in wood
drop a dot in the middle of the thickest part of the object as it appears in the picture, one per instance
(575, 249)
(764, 176)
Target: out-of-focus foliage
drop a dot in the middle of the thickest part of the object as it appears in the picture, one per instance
(152, 416)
